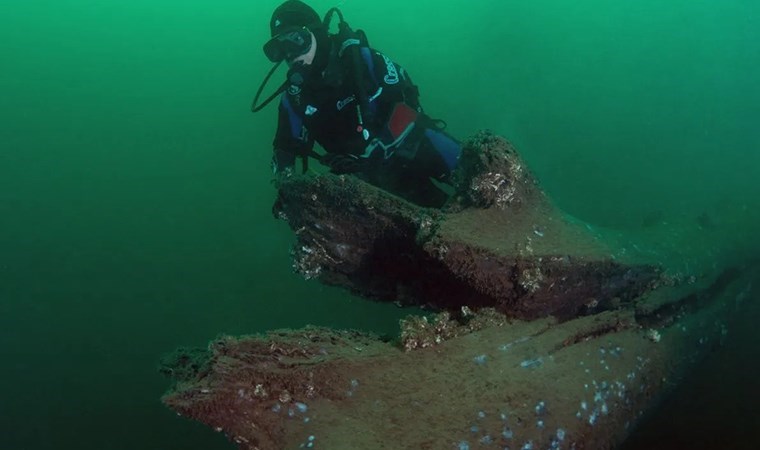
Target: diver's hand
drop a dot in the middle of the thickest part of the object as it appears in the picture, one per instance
(340, 164)
(281, 175)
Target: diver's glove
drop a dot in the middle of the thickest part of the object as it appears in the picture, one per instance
(340, 164)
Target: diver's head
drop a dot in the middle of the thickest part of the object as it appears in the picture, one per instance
(291, 27)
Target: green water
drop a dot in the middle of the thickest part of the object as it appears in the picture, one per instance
(135, 187)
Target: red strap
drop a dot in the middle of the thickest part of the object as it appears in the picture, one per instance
(401, 117)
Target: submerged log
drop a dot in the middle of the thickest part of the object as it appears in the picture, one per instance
(489, 383)
(546, 334)
(498, 243)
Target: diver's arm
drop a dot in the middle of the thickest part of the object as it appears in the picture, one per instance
(283, 159)
(290, 140)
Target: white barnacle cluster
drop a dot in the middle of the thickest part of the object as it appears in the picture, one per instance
(420, 332)
(284, 396)
(527, 250)
(506, 196)
(491, 181)
(308, 259)
(306, 262)
(530, 279)
(516, 171)
(425, 223)
(495, 186)
(440, 251)
(260, 391)
(516, 175)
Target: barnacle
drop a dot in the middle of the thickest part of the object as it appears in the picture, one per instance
(530, 279)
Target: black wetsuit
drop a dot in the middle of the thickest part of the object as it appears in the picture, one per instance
(401, 149)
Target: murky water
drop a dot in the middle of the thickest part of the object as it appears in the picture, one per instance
(135, 195)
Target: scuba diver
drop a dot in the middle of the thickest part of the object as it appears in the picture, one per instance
(361, 107)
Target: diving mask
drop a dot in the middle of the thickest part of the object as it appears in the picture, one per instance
(289, 44)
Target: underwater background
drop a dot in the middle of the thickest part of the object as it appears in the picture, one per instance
(135, 194)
